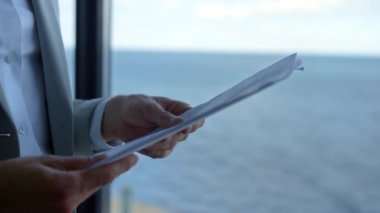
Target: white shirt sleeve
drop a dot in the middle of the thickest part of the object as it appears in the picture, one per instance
(98, 142)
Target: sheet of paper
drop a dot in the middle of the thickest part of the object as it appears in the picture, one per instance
(257, 82)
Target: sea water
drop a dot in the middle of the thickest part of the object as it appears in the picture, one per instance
(308, 144)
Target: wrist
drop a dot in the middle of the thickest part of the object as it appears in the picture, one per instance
(108, 127)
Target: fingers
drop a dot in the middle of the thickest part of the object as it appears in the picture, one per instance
(74, 182)
(156, 153)
(97, 177)
(197, 125)
(161, 149)
(163, 145)
(177, 108)
(70, 163)
(164, 112)
(156, 114)
(194, 127)
(173, 106)
(164, 148)
(181, 137)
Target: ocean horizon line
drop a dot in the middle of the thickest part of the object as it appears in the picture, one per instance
(242, 53)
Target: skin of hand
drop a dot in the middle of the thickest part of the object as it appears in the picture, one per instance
(129, 117)
(53, 183)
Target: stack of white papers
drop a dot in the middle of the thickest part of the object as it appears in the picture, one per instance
(257, 82)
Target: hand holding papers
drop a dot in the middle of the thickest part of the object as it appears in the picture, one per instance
(257, 82)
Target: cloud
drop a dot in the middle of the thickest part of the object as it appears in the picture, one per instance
(143, 5)
(221, 11)
(170, 4)
(298, 6)
(217, 11)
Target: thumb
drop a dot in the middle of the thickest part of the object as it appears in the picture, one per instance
(107, 173)
(72, 163)
(163, 118)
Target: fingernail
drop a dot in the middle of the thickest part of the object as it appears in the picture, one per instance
(99, 156)
(135, 160)
(175, 119)
(166, 153)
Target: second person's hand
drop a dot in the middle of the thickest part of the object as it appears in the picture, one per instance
(53, 183)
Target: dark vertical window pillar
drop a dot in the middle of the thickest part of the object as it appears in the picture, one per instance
(93, 71)
(93, 48)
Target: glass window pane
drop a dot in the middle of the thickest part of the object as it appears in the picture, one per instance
(309, 144)
(67, 21)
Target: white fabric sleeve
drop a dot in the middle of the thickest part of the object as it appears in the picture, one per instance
(98, 142)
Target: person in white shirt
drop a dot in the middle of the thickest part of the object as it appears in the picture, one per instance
(39, 120)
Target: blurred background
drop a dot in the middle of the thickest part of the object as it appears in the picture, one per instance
(308, 144)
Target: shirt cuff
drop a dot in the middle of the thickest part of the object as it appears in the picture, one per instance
(98, 142)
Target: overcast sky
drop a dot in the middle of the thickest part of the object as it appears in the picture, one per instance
(311, 26)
